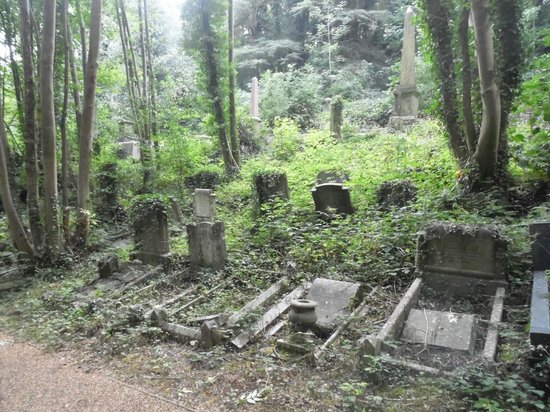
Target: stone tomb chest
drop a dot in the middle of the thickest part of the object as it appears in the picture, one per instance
(462, 259)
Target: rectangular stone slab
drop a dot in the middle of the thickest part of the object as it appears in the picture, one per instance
(445, 329)
(334, 299)
(540, 310)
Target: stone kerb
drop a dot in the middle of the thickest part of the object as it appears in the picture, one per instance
(462, 259)
(330, 198)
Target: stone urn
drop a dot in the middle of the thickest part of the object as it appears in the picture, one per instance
(302, 313)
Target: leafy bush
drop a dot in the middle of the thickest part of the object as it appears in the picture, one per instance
(286, 139)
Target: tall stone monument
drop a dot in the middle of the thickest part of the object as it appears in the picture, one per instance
(255, 104)
(406, 95)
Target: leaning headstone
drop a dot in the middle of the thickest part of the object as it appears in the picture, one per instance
(463, 260)
(204, 205)
(406, 94)
(540, 298)
(330, 176)
(397, 193)
(206, 237)
(150, 225)
(269, 186)
(335, 299)
(330, 198)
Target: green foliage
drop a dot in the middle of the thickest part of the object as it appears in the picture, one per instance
(286, 139)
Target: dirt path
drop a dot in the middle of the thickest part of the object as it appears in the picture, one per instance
(31, 380)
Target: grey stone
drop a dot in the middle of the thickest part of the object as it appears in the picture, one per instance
(462, 259)
(175, 209)
(541, 245)
(130, 149)
(332, 198)
(444, 329)
(335, 300)
(207, 245)
(204, 205)
(210, 334)
(151, 232)
(540, 310)
(107, 266)
(330, 176)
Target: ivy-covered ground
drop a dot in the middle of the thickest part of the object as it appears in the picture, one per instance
(375, 246)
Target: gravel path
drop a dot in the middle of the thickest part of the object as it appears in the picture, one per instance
(31, 380)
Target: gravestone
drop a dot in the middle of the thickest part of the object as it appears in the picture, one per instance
(397, 193)
(330, 198)
(406, 94)
(331, 176)
(129, 148)
(107, 266)
(462, 259)
(540, 298)
(204, 205)
(207, 245)
(175, 209)
(270, 186)
(255, 99)
(334, 299)
(336, 117)
(444, 329)
(206, 237)
(151, 231)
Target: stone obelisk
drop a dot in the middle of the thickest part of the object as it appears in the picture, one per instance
(255, 104)
(406, 95)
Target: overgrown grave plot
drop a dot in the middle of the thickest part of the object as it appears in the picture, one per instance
(447, 317)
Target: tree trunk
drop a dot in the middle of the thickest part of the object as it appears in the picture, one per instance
(15, 225)
(85, 146)
(51, 219)
(234, 138)
(83, 45)
(213, 83)
(152, 94)
(486, 153)
(63, 128)
(469, 127)
(29, 132)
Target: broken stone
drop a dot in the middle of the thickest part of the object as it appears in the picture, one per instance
(444, 329)
(330, 198)
(210, 334)
(335, 301)
(107, 266)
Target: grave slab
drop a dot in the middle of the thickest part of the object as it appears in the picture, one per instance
(335, 299)
(541, 245)
(444, 329)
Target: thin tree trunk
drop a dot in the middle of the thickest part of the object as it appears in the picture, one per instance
(487, 148)
(85, 146)
(83, 45)
(469, 127)
(31, 163)
(234, 138)
(152, 94)
(213, 83)
(74, 77)
(51, 219)
(63, 127)
(15, 225)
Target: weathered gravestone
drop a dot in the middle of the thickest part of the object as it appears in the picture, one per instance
(444, 329)
(461, 259)
(107, 266)
(331, 176)
(406, 95)
(335, 300)
(206, 237)
(270, 186)
(540, 298)
(150, 225)
(129, 148)
(330, 198)
(397, 193)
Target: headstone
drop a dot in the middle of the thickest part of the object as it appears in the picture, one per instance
(270, 186)
(541, 245)
(406, 95)
(207, 245)
(151, 231)
(107, 266)
(444, 329)
(462, 259)
(397, 193)
(129, 148)
(336, 117)
(330, 176)
(540, 298)
(330, 198)
(204, 205)
(334, 299)
(175, 209)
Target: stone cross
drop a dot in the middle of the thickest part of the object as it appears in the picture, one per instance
(406, 95)
(204, 205)
(255, 99)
